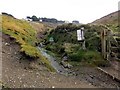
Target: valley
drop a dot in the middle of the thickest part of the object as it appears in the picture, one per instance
(30, 59)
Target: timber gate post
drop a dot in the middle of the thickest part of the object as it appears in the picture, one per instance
(103, 43)
(109, 35)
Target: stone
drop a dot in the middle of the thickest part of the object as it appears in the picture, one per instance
(69, 66)
(24, 85)
(65, 58)
(7, 44)
(33, 65)
(63, 64)
(53, 86)
(15, 53)
(66, 64)
(37, 73)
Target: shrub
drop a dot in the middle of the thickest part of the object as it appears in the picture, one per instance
(92, 55)
(78, 56)
(87, 56)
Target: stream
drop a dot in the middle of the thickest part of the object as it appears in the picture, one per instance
(53, 61)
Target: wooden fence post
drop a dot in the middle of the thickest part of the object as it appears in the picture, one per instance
(103, 43)
(108, 44)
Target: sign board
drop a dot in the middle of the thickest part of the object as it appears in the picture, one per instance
(51, 39)
(80, 35)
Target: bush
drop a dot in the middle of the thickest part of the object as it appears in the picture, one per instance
(92, 55)
(78, 56)
(85, 56)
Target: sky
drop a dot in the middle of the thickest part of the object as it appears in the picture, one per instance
(85, 11)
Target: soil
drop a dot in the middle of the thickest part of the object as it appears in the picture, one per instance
(20, 72)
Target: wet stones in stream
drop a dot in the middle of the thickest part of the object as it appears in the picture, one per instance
(66, 64)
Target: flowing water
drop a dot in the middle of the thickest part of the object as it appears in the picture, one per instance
(53, 61)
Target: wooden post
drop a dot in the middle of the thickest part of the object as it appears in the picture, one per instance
(108, 44)
(103, 43)
(83, 46)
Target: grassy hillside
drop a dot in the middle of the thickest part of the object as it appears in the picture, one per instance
(25, 36)
(110, 20)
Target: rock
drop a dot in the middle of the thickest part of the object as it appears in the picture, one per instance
(69, 66)
(66, 64)
(59, 80)
(65, 58)
(7, 44)
(24, 85)
(33, 65)
(37, 73)
(15, 53)
(53, 86)
(91, 76)
(90, 84)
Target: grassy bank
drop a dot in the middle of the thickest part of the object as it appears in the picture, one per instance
(25, 36)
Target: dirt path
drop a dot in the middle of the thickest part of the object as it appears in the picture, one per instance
(18, 72)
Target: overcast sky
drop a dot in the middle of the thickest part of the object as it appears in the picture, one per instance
(83, 10)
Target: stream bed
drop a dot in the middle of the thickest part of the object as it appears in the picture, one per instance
(54, 63)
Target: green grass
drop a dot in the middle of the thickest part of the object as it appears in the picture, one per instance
(92, 58)
(25, 35)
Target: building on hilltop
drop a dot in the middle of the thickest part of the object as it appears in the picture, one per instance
(75, 22)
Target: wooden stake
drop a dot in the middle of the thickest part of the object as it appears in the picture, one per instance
(103, 43)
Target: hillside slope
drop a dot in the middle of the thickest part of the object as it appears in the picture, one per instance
(25, 35)
(108, 19)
